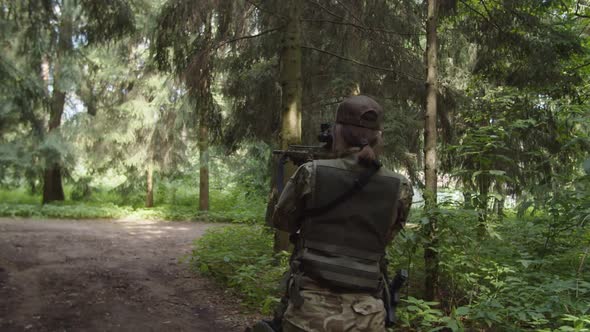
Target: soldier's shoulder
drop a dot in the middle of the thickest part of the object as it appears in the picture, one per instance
(326, 161)
(304, 170)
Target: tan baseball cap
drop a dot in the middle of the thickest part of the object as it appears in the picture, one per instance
(360, 111)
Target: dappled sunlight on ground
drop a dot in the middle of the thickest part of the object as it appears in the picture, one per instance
(98, 275)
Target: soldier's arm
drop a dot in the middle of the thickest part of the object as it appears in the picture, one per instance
(287, 212)
(403, 209)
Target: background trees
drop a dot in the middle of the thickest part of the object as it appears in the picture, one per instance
(112, 102)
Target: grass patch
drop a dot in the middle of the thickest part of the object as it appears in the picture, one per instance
(18, 196)
(231, 207)
(81, 210)
(64, 211)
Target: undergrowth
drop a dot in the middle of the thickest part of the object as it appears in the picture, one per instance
(241, 257)
(487, 284)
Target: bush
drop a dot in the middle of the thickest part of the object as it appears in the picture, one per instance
(241, 257)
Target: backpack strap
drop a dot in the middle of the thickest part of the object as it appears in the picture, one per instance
(359, 184)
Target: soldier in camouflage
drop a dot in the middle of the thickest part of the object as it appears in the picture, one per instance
(336, 278)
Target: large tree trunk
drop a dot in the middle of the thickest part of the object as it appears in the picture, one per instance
(203, 164)
(149, 195)
(430, 254)
(291, 95)
(52, 185)
(52, 178)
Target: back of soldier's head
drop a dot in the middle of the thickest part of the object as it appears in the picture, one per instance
(359, 121)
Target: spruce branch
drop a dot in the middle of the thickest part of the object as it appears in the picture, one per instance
(326, 9)
(264, 10)
(577, 12)
(487, 19)
(248, 36)
(362, 64)
(350, 12)
(360, 26)
(366, 28)
(579, 67)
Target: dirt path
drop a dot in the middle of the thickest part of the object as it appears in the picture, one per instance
(97, 275)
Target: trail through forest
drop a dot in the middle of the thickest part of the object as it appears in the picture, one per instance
(99, 275)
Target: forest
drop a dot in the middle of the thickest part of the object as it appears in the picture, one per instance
(171, 109)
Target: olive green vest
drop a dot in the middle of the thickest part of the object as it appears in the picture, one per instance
(344, 247)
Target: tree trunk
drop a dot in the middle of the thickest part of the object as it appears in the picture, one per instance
(52, 178)
(273, 196)
(483, 183)
(291, 95)
(149, 195)
(203, 164)
(52, 187)
(205, 103)
(430, 254)
(467, 200)
(499, 202)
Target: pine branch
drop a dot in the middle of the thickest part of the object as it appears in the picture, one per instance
(362, 64)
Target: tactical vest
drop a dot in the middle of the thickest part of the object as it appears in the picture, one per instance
(344, 247)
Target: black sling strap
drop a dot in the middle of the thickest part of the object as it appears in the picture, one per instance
(359, 183)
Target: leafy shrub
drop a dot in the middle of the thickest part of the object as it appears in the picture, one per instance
(241, 257)
(420, 315)
(513, 279)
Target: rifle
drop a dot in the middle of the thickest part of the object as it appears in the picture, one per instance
(392, 299)
(300, 154)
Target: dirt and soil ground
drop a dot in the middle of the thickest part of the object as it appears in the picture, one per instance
(101, 275)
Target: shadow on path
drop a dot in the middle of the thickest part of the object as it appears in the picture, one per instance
(106, 275)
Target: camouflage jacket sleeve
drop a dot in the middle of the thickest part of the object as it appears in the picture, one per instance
(403, 209)
(287, 212)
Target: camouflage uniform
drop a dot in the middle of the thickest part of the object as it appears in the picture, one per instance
(324, 309)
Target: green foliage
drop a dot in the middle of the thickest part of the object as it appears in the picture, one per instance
(65, 211)
(508, 281)
(241, 257)
(18, 196)
(419, 315)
